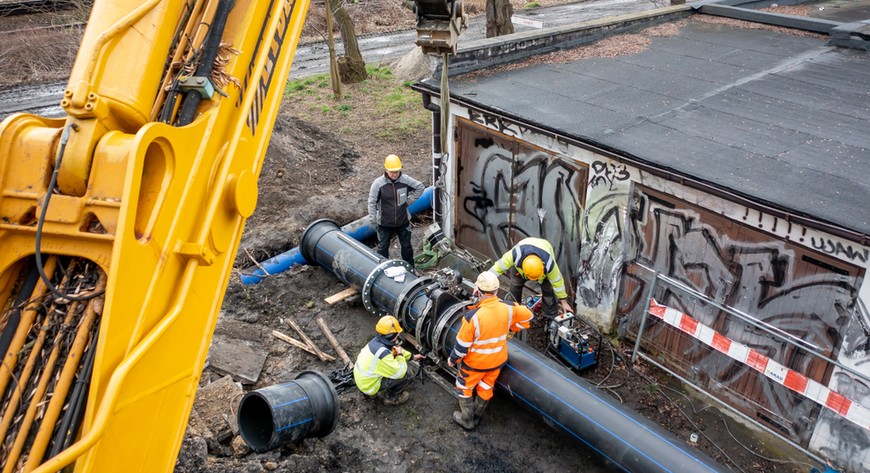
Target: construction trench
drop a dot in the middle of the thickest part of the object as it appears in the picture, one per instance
(431, 308)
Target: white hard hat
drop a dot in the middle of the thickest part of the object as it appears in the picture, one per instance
(487, 282)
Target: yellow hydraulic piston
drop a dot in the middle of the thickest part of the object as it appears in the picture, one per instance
(151, 176)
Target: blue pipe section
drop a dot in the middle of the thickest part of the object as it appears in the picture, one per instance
(359, 230)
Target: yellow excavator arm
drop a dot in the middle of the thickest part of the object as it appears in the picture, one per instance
(120, 223)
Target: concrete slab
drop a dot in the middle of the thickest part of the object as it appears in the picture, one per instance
(236, 358)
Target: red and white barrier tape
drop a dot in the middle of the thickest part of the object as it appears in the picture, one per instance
(791, 379)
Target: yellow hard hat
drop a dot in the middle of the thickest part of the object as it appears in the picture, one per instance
(533, 267)
(387, 325)
(487, 282)
(393, 163)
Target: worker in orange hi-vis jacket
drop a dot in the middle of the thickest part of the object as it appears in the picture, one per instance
(481, 347)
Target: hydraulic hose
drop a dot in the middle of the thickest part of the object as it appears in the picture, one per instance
(210, 52)
(565, 400)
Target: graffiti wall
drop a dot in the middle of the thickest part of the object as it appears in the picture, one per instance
(613, 225)
(508, 190)
(804, 294)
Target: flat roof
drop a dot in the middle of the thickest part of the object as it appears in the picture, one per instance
(776, 117)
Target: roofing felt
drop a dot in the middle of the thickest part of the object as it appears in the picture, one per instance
(778, 118)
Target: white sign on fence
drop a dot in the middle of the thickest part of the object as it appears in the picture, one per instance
(519, 20)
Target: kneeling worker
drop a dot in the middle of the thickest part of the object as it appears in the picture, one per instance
(481, 347)
(382, 366)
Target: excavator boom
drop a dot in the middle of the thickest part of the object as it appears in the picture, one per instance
(119, 225)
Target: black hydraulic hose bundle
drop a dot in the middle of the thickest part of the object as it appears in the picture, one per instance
(210, 50)
(15, 316)
(72, 418)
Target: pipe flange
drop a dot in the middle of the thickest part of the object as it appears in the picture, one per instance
(444, 322)
(404, 300)
(370, 282)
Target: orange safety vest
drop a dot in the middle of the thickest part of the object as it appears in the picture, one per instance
(481, 343)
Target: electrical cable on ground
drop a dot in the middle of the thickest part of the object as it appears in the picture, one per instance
(655, 384)
(787, 462)
(659, 387)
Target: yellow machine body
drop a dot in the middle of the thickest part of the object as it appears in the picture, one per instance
(159, 208)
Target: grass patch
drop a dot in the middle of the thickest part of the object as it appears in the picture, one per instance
(531, 5)
(382, 106)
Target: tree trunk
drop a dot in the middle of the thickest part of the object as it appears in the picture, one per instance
(351, 66)
(498, 18)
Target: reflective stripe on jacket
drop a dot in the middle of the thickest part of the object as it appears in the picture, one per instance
(533, 246)
(481, 343)
(375, 362)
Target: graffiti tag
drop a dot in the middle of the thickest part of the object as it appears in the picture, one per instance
(837, 249)
(608, 173)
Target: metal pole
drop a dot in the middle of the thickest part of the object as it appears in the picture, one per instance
(643, 317)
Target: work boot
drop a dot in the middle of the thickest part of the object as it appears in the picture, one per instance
(398, 400)
(479, 406)
(465, 415)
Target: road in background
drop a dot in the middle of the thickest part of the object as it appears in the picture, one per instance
(312, 58)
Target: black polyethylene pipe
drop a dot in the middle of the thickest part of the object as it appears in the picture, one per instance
(625, 438)
(304, 407)
(325, 244)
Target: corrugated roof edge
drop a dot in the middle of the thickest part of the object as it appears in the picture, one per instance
(431, 87)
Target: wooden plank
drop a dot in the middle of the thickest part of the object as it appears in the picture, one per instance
(320, 354)
(332, 340)
(340, 296)
(298, 344)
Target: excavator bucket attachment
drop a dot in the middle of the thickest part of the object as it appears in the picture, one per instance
(439, 24)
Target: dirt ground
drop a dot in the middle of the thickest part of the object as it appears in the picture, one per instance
(322, 168)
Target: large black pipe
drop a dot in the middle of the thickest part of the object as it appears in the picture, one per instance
(623, 437)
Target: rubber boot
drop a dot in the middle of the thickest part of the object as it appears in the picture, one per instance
(465, 415)
(398, 400)
(479, 406)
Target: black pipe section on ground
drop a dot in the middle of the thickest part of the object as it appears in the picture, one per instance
(304, 407)
(564, 400)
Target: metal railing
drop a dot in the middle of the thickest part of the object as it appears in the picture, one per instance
(771, 330)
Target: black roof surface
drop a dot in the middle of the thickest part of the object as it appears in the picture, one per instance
(779, 118)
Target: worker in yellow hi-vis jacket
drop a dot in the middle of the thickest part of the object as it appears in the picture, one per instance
(533, 259)
(382, 366)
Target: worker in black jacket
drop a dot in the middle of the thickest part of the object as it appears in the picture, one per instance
(389, 198)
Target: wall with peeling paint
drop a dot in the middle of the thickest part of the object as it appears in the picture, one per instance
(609, 220)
